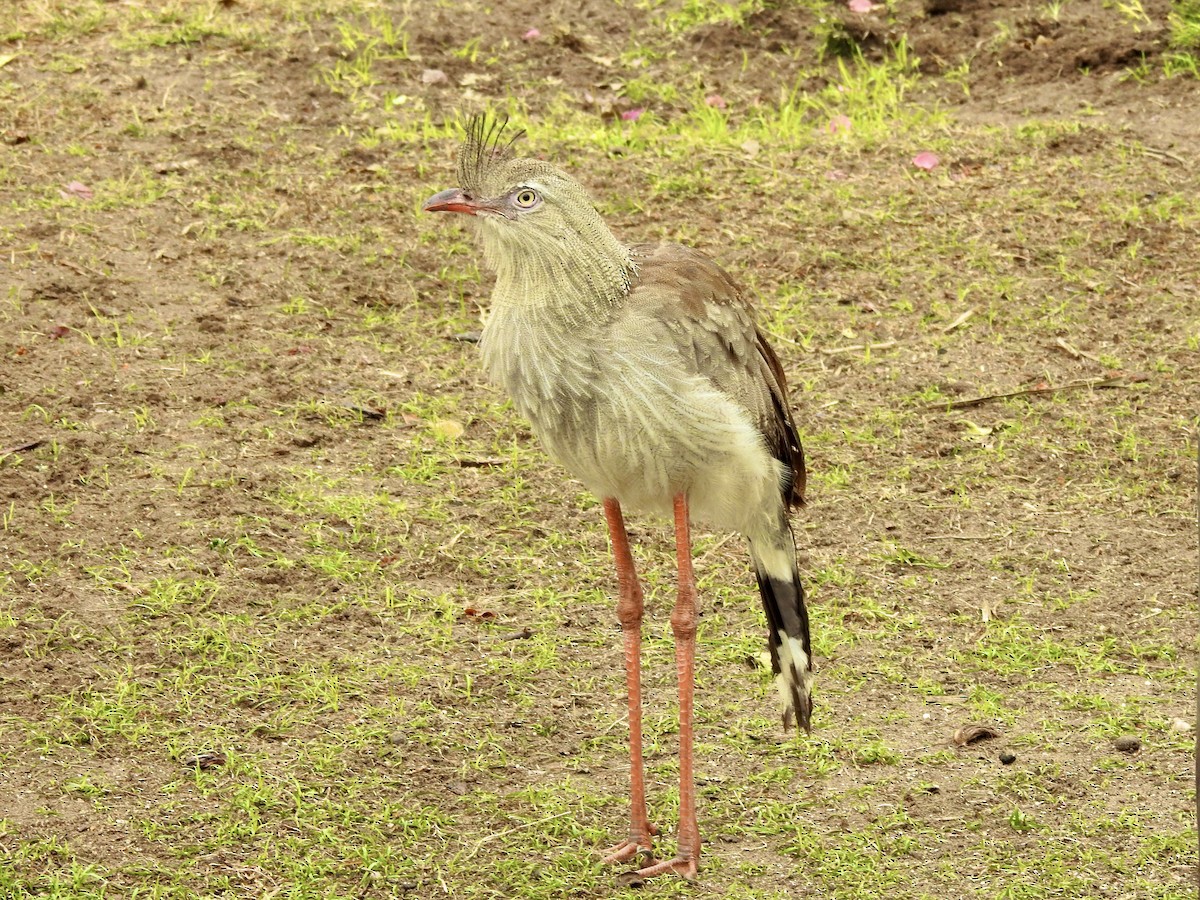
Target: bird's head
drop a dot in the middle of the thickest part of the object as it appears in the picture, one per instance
(528, 211)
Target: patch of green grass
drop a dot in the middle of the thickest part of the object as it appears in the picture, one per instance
(186, 23)
(1131, 11)
(1183, 22)
(1013, 646)
(697, 13)
(870, 94)
(363, 45)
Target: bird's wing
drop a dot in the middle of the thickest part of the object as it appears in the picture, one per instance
(711, 324)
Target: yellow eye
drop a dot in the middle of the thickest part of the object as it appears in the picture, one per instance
(527, 198)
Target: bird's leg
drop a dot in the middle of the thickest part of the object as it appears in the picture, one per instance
(683, 624)
(629, 614)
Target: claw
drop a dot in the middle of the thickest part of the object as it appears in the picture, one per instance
(627, 850)
(637, 844)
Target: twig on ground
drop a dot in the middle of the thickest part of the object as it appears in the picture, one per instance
(366, 412)
(20, 448)
(1094, 383)
(961, 320)
(481, 462)
(524, 634)
(508, 831)
(855, 348)
(744, 159)
(1162, 154)
(714, 548)
(1074, 351)
(970, 537)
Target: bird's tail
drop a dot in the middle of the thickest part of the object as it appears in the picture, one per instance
(787, 622)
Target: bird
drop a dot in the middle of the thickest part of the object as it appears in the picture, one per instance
(643, 372)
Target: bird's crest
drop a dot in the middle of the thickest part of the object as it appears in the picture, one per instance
(485, 145)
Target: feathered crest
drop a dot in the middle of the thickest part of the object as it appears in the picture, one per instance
(485, 145)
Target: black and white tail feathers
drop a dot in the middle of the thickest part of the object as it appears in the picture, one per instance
(787, 622)
(774, 554)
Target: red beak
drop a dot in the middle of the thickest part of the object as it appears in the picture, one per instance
(452, 200)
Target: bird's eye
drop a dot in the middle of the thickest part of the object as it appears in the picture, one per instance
(527, 198)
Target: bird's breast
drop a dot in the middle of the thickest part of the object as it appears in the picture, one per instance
(626, 418)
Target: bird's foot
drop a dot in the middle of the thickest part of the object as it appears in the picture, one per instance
(683, 866)
(636, 844)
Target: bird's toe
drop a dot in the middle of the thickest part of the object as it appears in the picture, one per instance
(686, 867)
(627, 850)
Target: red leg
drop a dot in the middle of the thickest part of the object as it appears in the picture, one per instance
(629, 614)
(683, 624)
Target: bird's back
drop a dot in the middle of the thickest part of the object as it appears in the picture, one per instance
(719, 338)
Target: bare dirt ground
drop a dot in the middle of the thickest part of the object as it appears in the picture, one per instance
(292, 605)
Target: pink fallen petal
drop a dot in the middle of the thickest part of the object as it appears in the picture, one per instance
(861, 6)
(531, 35)
(632, 115)
(715, 100)
(76, 190)
(925, 160)
(838, 123)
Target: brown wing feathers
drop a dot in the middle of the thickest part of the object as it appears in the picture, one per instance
(704, 294)
(786, 446)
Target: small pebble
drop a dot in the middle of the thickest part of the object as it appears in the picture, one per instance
(1007, 757)
(1127, 743)
(1183, 726)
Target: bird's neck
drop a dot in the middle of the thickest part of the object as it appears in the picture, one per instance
(575, 279)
